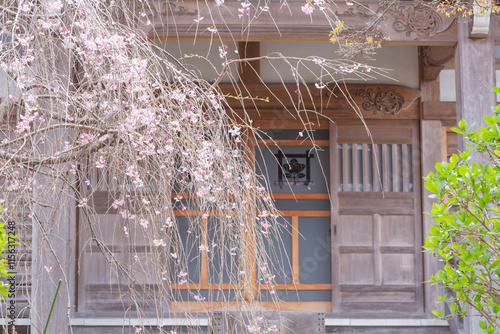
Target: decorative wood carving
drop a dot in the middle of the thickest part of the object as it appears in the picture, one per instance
(169, 8)
(385, 100)
(375, 101)
(409, 21)
(360, 11)
(420, 20)
(434, 58)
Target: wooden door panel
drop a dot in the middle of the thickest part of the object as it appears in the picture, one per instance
(398, 269)
(397, 230)
(357, 268)
(376, 257)
(358, 230)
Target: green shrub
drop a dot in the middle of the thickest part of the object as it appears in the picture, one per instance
(467, 233)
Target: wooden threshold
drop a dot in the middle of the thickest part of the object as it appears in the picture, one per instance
(204, 306)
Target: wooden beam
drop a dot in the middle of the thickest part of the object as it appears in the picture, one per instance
(433, 60)
(194, 306)
(284, 143)
(279, 21)
(305, 196)
(439, 110)
(278, 102)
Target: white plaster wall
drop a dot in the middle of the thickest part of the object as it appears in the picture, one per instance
(447, 85)
(400, 61)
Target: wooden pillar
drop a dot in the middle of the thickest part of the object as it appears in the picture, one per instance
(54, 219)
(249, 71)
(475, 75)
(431, 153)
(249, 244)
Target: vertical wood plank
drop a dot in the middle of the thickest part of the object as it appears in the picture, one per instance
(249, 144)
(474, 76)
(444, 143)
(375, 170)
(295, 249)
(366, 168)
(355, 167)
(406, 168)
(54, 223)
(335, 220)
(395, 169)
(385, 168)
(345, 167)
(431, 153)
(203, 255)
(377, 266)
(417, 179)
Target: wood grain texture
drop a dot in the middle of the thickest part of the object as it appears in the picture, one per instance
(176, 21)
(474, 76)
(285, 322)
(295, 249)
(334, 218)
(271, 100)
(193, 306)
(431, 154)
(439, 110)
(249, 71)
(284, 143)
(378, 246)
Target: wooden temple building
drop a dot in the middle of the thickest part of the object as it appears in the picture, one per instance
(358, 222)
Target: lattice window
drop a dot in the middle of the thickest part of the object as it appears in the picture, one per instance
(375, 168)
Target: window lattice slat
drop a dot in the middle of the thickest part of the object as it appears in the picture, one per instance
(367, 167)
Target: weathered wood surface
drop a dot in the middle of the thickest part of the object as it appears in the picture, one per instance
(266, 102)
(249, 71)
(54, 223)
(285, 322)
(377, 260)
(405, 22)
(431, 154)
(439, 110)
(475, 75)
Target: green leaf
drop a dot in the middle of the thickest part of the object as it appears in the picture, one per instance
(483, 324)
(463, 125)
(496, 89)
(432, 187)
(434, 230)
